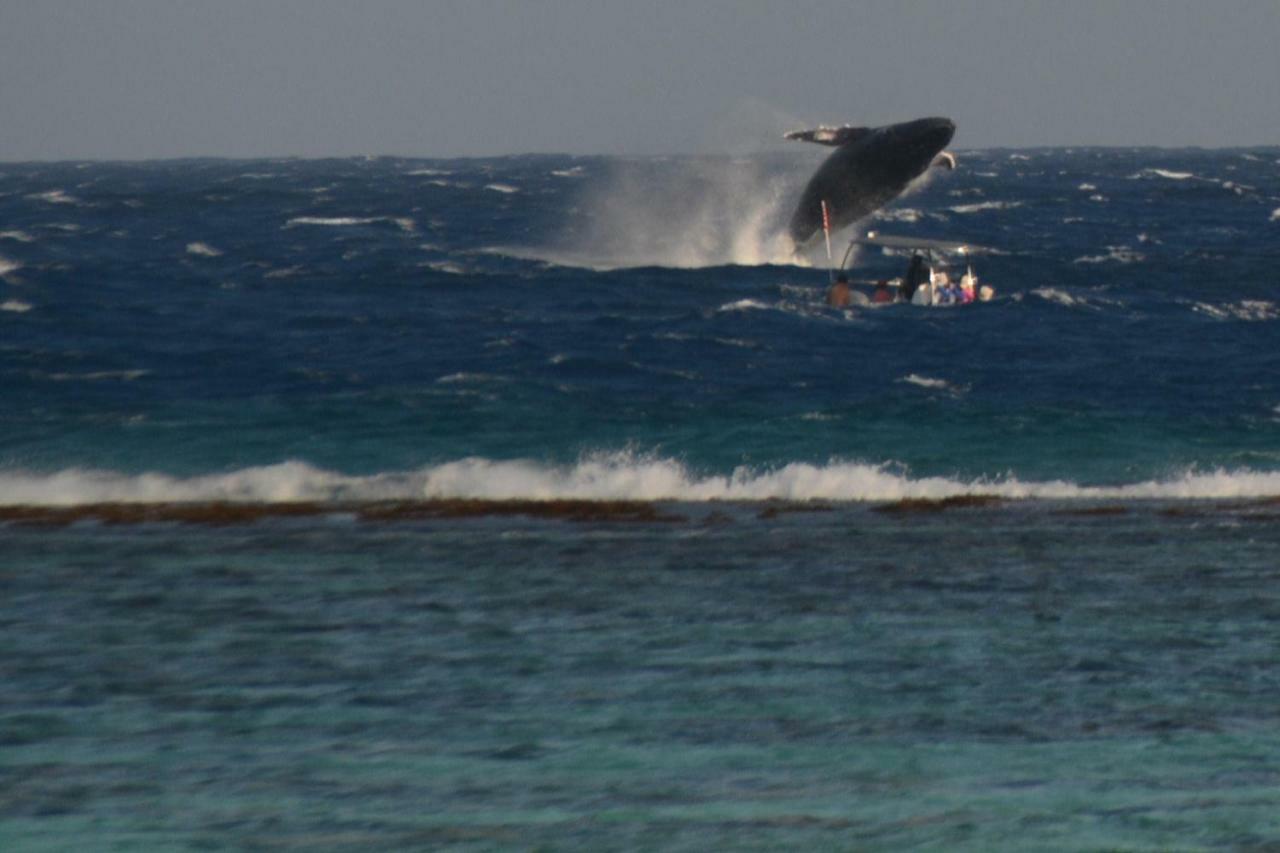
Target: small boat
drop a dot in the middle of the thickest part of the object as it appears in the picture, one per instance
(932, 277)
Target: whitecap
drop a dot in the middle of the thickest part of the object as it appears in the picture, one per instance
(1249, 310)
(1060, 297)
(7, 266)
(502, 188)
(55, 197)
(203, 250)
(744, 305)
(16, 306)
(932, 384)
(1088, 188)
(450, 267)
(95, 376)
(1164, 173)
(904, 214)
(1117, 254)
(1275, 215)
(330, 221)
(575, 172)
(404, 223)
(985, 205)
(24, 237)
(455, 378)
(425, 172)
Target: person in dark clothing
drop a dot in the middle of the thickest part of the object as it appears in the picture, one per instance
(917, 275)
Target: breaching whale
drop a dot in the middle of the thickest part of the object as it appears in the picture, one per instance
(868, 169)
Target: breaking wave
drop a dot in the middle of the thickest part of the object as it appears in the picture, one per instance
(600, 477)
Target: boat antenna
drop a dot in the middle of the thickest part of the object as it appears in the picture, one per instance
(844, 262)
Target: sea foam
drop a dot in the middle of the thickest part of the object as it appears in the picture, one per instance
(599, 477)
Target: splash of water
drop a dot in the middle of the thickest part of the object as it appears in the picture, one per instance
(685, 213)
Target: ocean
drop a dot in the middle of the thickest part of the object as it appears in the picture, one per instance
(540, 502)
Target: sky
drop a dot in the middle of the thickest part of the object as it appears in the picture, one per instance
(143, 79)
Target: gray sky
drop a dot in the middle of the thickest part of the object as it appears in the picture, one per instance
(136, 79)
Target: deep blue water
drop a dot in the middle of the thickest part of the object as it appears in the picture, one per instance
(389, 317)
(785, 658)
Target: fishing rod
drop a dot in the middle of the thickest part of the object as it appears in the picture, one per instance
(826, 233)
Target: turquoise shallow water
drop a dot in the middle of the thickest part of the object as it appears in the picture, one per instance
(1027, 676)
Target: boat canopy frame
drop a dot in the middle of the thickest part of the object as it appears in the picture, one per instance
(930, 248)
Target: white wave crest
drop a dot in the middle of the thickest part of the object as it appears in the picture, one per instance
(932, 384)
(616, 476)
(282, 483)
(203, 250)
(1095, 300)
(55, 197)
(405, 224)
(502, 188)
(94, 376)
(985, 205)
(7, 266)
(1116, 254)
(744, 305)
(902, 214)
(626, 477)
(1060, 297)
(1163, 173)
(1250, 310)
(24, 237)
(1275, 215)
(15, 306)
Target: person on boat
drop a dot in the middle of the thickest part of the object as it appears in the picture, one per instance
(881, 294)
(916, 276)
(968, 288)
(942, 294)
(839, 296)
